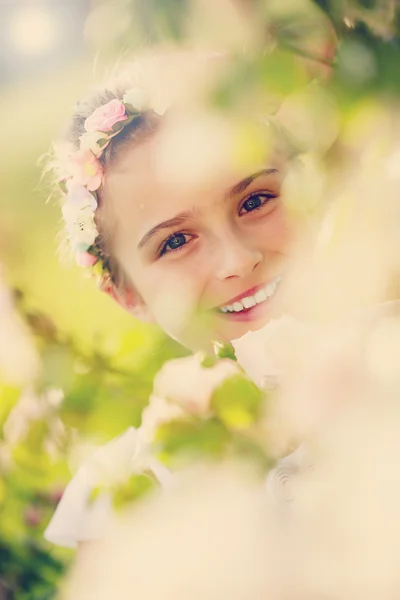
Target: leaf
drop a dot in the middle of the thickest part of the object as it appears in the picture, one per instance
(58, 365)
(95, 493)
(209, 361)
(9, 396)
(131, 110)
(191, 439)
(224, 350)
(238, 402)
(117, 127)
(133, 489)
(125, 492)
(63, 186)
(2, 490)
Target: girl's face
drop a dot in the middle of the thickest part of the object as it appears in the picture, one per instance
(205, 254)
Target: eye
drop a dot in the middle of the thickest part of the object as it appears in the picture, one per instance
(175, 242)
(255, 202)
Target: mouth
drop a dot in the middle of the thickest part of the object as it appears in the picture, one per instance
(246, 304)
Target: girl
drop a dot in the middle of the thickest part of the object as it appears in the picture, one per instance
(174, 227)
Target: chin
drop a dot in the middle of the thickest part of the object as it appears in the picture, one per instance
(225, 327)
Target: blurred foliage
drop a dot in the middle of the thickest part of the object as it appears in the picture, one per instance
(102, 395)
(102, 361)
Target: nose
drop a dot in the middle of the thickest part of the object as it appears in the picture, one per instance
(237, 257)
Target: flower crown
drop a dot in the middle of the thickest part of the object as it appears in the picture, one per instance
(85, 175)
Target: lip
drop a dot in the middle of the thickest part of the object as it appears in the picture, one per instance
(253, 313)
(249, 292)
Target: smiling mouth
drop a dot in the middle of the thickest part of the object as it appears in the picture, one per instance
(246, 303)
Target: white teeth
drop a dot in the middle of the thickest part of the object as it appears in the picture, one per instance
(270, 289)
(249, 301)
(237, 306)
(260, 296)
(257, 298)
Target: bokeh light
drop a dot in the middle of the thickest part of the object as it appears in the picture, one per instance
(34, 30)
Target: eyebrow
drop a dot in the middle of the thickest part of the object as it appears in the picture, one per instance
(184, 216)
(244, 183)
(174, 222)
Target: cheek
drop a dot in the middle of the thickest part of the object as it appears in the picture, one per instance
(277, 233)
(172, 292)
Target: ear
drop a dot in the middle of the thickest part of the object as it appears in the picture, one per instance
(129, 300)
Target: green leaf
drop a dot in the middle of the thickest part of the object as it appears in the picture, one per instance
(209, 361)
(58, 365)
(95, 493)
(2, 490)
(117, 127)
(191, 439)
(63, 186)
(133, 489)
(238, 402)
(131, 110)
(9, 396)
(125, 492)
(224, 350)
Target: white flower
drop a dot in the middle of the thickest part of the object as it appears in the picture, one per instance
(79, 197)
(136, 98)
(160, 106)
(80, 225)
(30, 408)
(187, 383)
(118, 459)
(270, 351)
(90, 141)
(158, 411)
(208, 536)
(19, 361)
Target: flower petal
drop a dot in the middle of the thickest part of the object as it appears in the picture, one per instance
(80, 197)
(85, 259)
(136, 99)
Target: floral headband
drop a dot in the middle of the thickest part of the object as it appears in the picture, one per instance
(85, 175)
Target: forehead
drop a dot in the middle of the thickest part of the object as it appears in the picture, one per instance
(193, 159)
(186, 169)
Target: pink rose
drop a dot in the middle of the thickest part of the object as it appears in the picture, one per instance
(106, 116)
(86, 170)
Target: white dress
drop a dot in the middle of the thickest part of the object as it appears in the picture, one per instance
(76, 519)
